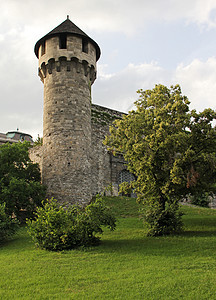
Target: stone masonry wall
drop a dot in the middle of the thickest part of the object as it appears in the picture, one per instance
(36, 154)
(66, 166)
(105, 167)
(67, 75)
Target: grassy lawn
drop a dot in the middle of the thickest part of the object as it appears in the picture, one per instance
(127, 264)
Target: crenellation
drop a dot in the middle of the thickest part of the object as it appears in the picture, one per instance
(62, 65)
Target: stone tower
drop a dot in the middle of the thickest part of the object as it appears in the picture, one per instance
(67, 68)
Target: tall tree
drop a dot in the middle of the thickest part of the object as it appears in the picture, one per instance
(170, 149)
(20, 180)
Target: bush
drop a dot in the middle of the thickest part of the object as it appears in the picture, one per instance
(56, 228)
(8, 225)
(202, 200)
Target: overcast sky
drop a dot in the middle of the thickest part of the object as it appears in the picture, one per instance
(143, 43)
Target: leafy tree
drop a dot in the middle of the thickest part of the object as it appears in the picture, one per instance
(20, 180)
(170, 149)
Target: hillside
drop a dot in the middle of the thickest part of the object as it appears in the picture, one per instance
(127, 264)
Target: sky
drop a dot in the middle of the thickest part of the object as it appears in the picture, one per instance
(143, 43)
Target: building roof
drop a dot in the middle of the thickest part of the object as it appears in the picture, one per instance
(18, 133)
(3, 135)
(67, 27)
(15, 137)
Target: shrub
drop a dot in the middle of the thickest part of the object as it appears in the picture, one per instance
(8, 225)
(56, 228)
(200, 200)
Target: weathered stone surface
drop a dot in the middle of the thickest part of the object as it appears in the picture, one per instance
(74, 163)
(67, 75)
(105, 168)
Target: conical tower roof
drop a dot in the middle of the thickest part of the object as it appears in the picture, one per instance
(67, 27)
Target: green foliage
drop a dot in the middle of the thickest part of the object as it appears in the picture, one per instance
(169, 148)
(20, 181)
(202, 200)
(57, 228)
(125, 188)
(108, 190)
(8, 225)
(38, 141)
(161, 221)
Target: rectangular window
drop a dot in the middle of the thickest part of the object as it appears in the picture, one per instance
(43, 48)
(63, 41)
(84, 45)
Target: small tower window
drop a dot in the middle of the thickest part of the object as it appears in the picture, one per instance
(63, 41)
(84, 45)
(43, 48)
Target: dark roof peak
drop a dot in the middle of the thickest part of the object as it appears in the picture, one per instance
(67, 27)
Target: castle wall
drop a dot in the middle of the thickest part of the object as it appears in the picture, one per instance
(105, 167)
(36, 154)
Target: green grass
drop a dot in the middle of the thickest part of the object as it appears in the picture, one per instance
(127, 264)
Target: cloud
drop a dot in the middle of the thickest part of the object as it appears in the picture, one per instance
(198, 82)
(118, 90)
(23, 22)
(123, 16)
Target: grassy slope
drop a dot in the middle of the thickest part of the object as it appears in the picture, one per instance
(127, 265)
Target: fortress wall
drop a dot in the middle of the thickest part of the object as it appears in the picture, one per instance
(105, 167)
(36, 154)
